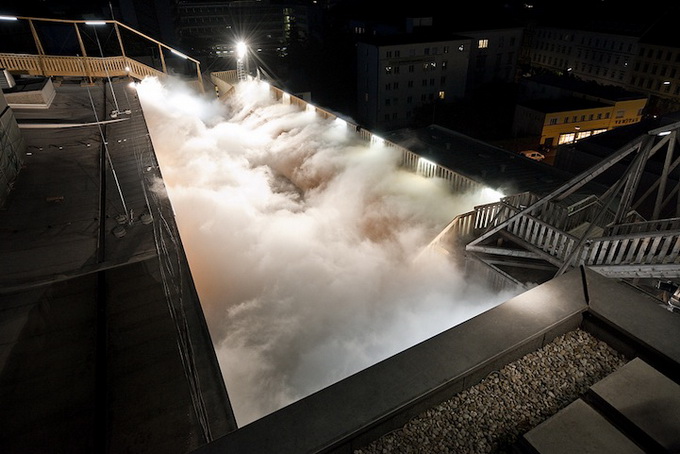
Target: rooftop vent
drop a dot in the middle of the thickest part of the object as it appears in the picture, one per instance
(6, 79)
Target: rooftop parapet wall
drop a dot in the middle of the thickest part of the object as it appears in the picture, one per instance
(348, 414)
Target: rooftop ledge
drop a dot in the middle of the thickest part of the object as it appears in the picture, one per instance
(364, 406)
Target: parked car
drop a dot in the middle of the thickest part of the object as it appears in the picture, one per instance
(531, 154)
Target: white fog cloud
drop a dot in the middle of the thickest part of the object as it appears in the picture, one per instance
(301, 239)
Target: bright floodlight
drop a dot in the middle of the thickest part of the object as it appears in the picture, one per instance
(8, 18)
(241, 49)
(492, 194)
(95, 22)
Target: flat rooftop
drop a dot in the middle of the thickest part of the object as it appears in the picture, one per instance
(497, 168)
(104, 345)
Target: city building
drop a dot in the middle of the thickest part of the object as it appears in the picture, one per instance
(493, 56)
(214, 28)
(562, 110)
(642, 56)
(606, 58)
(396, 75)
(402, 76)
(656, 71)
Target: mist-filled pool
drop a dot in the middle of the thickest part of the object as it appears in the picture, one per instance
(301, 239)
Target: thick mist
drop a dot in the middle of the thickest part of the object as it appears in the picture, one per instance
(301, 240)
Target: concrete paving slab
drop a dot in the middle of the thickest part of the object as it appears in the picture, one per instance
(635, 314)
(578, 428)
(647, 399)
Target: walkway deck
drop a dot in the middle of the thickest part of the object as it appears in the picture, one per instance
(103, 339)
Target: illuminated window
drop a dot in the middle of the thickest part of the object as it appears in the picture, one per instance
(482, 43)
(583, 134)
(566, 138)
(442, 95)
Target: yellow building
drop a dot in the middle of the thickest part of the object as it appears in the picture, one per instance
(563, 109)
(566, 120)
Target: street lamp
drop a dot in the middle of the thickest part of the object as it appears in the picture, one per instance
(241, 54)
(241, 49)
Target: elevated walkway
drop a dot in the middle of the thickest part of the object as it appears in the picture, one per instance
(554, 233)
(121, 64)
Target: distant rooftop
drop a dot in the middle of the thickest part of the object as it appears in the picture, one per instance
(495, 167)
(573, 84)
(562, 104)
(429, 36)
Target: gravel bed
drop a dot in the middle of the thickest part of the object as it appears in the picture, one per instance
(490, 416)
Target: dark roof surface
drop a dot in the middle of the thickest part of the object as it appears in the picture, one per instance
(499, 169)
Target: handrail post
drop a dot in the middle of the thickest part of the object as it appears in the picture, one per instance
(160, 51)
(39, 47)
(120, 39)
(88, 71)
(200, 78)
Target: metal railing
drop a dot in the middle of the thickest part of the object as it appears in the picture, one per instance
(84, 65)
(409, 160)
(56, 65)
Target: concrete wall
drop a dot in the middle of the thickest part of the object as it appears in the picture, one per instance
(12, 149)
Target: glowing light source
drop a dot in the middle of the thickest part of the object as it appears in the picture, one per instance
(492, 194)
(95, 22)
(426, 168)
(425, 162)
(8, 18)
(340, 122)
(241, 49)
(663, 133)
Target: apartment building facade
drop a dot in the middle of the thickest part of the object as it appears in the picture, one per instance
(656, 72)
(397, 75)
(605, 58)
(213, 28)
(493, 55)
(644, 59)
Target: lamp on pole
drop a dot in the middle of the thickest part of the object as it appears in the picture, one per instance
(241, 54)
